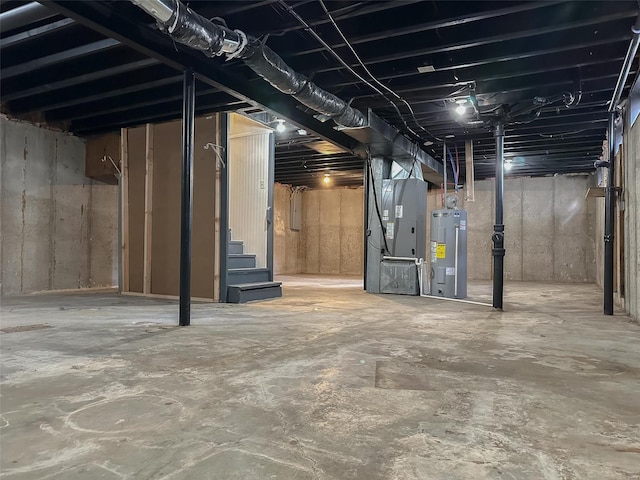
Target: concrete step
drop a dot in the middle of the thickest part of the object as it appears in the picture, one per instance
(236, 247)
(247, 275)
(248, 292)
(241, 260)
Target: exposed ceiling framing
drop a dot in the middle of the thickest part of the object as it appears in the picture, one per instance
(96, 66)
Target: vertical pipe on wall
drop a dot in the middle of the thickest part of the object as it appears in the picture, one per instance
(444, 164)
(609, 219)
(186, 210)
(498, 229)
(470, 182)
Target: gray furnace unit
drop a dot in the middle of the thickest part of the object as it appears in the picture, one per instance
(449, 253)
(404, 220)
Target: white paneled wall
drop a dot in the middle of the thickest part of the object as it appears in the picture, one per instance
(249, 187)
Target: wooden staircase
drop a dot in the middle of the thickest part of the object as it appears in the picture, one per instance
(246, 282)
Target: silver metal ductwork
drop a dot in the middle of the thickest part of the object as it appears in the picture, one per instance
(214, 39)
(384, 141)
(189, 28)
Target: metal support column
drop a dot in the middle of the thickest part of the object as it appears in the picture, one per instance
(609, 220)
(186, 210)
(498, 250)
(365, 220)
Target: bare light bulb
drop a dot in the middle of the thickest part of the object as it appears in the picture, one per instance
(461, 109)
(508, 166)
(280, 127)
(326, 179)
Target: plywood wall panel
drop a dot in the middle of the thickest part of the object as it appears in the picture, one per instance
(136, 158)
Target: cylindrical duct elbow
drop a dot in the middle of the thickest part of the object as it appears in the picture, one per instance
(195, 31)
(191, 29)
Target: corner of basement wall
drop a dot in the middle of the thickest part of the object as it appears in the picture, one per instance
(286, 242)
(631, 198)
(59, 228)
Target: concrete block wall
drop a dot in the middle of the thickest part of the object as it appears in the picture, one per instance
(330, 241)
(631, 197)
(287, 254)
(332, 222)
(549, 229)
(58, 228)
(549, 226)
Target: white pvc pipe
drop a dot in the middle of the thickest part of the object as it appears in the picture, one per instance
(400, 259)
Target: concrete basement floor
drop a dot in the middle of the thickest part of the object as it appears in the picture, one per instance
(325, 383)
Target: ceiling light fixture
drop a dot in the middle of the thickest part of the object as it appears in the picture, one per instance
(461, 109)
(426, 69)
(280, 127)
(327, 179)
(302, 131)
(508, 165)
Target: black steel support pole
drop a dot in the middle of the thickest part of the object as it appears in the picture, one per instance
(188, 122)
(609, 220)
(498, 229)
(366, 231)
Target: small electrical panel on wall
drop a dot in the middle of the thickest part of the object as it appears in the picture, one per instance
(295, 222)
(261, 184)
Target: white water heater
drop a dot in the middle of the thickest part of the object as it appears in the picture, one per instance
(448, 253)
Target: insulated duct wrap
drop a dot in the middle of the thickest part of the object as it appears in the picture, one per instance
(270, 66)
(193, 30)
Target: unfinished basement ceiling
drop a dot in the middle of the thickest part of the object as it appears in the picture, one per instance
(66, 70)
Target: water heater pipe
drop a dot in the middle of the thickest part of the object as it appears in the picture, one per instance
(444, 163)
(470, 181)
(455, 264)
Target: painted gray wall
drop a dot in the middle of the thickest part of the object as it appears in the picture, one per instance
(58, 228)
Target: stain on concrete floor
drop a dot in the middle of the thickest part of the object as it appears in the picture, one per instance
(324, 383)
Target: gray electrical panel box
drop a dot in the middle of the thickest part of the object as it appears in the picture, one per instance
(448, 253)
(404, 217)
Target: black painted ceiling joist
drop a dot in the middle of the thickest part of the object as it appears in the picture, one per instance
(36, 33)
(56, 58)
(109, 21)
(512, 51)
(24, 15)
